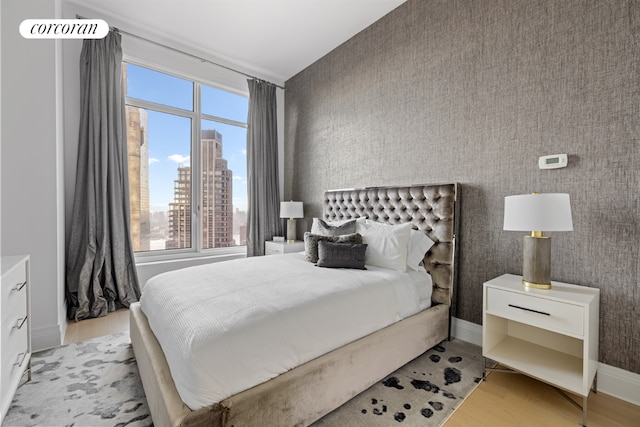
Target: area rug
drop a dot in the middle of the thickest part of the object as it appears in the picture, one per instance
(92, 383)
(96, 383)
(424, 392)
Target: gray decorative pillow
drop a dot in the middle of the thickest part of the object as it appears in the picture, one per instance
(341, 255)
(324, 229)
(311, 243)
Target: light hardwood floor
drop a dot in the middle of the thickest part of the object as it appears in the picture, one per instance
(508, 400)
(502, 400)
(117, 321)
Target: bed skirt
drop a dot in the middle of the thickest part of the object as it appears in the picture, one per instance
(297, 397)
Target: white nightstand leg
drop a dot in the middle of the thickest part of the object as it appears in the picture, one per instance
(493, 368)
(576, 404)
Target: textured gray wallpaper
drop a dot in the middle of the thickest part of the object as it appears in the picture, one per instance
(474, 92)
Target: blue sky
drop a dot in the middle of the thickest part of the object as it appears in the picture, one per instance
(169, 135)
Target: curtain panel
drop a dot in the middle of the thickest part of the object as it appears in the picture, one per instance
(263, 216)
(100, 273)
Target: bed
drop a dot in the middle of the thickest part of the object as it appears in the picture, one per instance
(303, 393)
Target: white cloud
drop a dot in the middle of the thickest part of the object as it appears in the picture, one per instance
(179, 158)
(238, 177)
(244, 151)
(153, 160)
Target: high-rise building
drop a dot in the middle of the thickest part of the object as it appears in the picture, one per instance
(138, 152)
(216, 202)
(180, 211)
(216, 196)
(240, 227)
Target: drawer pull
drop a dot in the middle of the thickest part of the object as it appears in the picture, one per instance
(529, 309)
(20, 323)
(20, 286)
(20, 359)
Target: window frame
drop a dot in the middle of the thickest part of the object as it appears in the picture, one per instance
(196, 116)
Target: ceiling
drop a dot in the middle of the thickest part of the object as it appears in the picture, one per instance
(273, 38)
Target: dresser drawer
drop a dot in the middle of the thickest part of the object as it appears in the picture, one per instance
(15, 348)
(15, 338)
(14, 289)
(536, 311)
(15, 357)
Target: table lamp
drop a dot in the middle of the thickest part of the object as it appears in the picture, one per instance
(291, 210)
(537, 213)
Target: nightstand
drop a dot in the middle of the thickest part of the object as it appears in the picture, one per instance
(276, 248)
(550, 335)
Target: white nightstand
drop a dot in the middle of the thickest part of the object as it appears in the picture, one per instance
(275, 248)
(551, 335)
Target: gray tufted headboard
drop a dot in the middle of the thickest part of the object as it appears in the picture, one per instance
(430, 208)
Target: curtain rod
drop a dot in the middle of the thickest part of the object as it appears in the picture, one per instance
(185, 53)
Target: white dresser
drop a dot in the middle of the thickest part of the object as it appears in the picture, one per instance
(16, 327)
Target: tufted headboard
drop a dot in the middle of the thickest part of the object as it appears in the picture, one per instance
(430, 208)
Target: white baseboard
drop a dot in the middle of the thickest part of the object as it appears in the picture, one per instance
(613, 381)
(619, 383)
(45, 337)
(466, 331)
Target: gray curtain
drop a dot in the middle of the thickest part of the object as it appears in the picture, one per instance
(100, 274)
(263, 217)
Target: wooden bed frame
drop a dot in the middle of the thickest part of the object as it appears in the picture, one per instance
(306, 393)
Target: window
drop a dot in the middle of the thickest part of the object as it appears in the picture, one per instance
(186, 145)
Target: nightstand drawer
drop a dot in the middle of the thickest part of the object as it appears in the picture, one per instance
(536, 311)
(278, 248)
(273, 249)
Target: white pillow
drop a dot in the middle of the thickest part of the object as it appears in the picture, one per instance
(419, 244)
(317, 229)
(387, 245)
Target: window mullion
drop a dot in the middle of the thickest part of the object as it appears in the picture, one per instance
(225, 121)
(196, 171)
(140, 103)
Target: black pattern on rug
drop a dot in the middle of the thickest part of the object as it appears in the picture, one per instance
(90, 383)
(424, 392)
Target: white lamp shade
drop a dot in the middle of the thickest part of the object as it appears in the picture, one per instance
(291, 210)
(538, 212)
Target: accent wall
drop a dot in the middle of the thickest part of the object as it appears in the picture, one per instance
(474, 92)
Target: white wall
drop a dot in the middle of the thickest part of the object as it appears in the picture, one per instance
(32, 190)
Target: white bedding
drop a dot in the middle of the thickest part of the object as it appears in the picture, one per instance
(228, 326)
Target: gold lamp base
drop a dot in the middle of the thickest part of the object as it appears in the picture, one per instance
(536, 285)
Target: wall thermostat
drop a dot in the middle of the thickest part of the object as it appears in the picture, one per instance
(553, 161)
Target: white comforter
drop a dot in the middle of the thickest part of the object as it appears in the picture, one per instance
(228, 326)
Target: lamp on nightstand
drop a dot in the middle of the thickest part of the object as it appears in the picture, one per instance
(537, 213)
(291, 210)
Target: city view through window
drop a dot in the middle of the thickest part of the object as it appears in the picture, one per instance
(164, 176)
